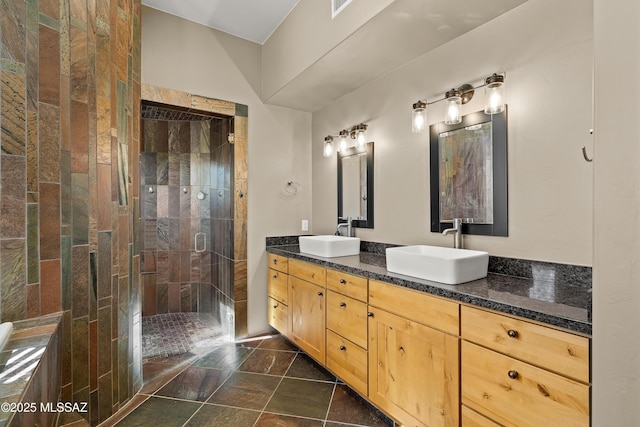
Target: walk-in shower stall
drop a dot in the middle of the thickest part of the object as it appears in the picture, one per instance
(186, 224)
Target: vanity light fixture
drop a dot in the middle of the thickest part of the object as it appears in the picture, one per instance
(328, 146)
(453, 107)
(457, 97)
(344, 140)
(419, 117)
(361, 135)
(494, 94)
(355, 137)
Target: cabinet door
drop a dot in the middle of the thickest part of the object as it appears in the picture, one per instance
(413, 371)
(307, 317)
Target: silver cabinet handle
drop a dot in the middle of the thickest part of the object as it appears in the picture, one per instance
(203, 237)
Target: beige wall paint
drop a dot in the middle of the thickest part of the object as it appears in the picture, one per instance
(181, 55)
(546, 49)
(616, 266)
(307, 34)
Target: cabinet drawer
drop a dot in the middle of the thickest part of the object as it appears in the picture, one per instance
(415, 305)
(516, 393)
(278, 316)
(277, 287)
(347, 284)
(539, 345)
(347, 361)
(310, 272)
(471, 418)
(347, 317)
(278, 262)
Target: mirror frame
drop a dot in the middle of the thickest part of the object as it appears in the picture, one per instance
(500, 226)
(368, 223)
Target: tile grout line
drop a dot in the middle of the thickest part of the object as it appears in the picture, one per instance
(163, 384)
(276, 387)
(333, 392)
(298, 356)
(203, 403)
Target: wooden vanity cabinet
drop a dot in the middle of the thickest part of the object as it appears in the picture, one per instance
(518, 373)
(347, 328)
(429, 361)
(413, 356)
(277, 291)
(307, 302)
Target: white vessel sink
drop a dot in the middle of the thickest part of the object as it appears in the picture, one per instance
(444, 265)
(329, 246)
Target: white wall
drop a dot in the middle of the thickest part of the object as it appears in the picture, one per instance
(545, 47)
(616, 267)
(188, 57)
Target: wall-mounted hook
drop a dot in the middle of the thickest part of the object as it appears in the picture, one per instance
(584, 154)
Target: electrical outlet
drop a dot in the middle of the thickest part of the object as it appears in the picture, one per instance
(305, 225)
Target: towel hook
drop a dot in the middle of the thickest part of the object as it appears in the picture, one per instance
(584, 154)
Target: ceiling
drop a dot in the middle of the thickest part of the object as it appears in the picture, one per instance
(403, 31)
(252, 20)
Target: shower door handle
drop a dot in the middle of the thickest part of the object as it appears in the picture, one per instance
(204, 242)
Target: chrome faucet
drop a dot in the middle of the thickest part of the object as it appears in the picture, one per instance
(457, 229)
(345, 224)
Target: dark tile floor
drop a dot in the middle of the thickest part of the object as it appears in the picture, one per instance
(263, 383)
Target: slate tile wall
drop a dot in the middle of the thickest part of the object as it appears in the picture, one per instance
(69, 117)
(181, 158)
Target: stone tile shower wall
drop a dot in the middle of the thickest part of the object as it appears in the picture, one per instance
(229, 265)
(69, 116)
(181, 161)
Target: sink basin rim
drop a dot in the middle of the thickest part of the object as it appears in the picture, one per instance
(329, 246)
(438, 264)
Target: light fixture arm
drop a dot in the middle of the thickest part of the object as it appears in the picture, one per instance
(467, 88)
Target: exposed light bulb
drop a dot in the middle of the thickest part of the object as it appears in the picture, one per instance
(494, 94)
(328, 146)
(362, 138)
(419, 118)
(361, 135)
(453, 107)
(418, 122)
(344, 144)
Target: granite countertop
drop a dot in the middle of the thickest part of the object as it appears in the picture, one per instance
(546, 297)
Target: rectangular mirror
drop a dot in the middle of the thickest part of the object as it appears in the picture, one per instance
(469, 174)
(355, 186)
